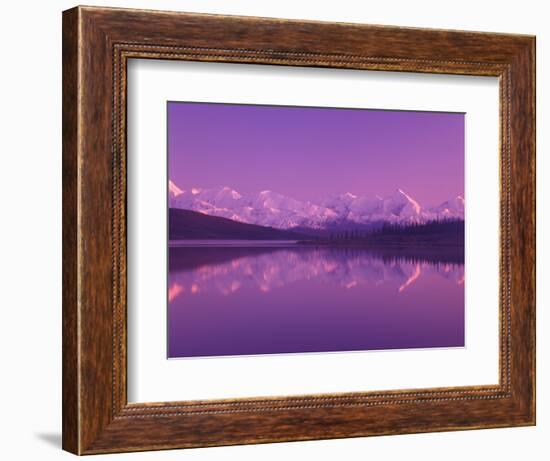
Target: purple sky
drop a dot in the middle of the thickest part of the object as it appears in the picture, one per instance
(311, 153)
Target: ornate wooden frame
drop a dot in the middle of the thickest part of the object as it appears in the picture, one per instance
(97, 43)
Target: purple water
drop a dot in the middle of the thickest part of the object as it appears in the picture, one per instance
(230, 300)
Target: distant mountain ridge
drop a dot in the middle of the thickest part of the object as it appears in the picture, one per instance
(271, 209)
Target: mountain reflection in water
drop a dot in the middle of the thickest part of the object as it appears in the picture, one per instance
(223, 270)
(262, 300)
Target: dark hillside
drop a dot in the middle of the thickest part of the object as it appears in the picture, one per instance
(187, 224)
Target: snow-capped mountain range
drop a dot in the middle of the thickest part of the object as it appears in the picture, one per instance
(269, 208)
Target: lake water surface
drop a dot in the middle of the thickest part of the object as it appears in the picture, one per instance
(229, 299)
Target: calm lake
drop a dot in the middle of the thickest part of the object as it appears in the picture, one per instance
(227, 299)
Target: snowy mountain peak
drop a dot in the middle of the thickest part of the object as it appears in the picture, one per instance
(173, 189)
(452, 208)
(400, 202)
(340, 203)
(230, 192)
(270, 208)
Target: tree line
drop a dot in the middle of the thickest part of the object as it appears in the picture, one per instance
(444, 226)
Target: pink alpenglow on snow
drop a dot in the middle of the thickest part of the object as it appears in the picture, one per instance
(268, 208)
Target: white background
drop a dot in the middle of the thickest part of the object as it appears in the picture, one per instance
(30, 247)
(152, 378)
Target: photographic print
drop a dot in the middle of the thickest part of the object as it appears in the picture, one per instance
(313, 229)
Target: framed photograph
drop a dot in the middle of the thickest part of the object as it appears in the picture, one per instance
(282, 230)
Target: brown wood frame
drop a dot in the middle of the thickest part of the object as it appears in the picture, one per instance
(97, 43)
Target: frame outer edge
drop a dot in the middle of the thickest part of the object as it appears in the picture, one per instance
(91, 422)
(523, 233)
(534, 213)
(70, 177)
